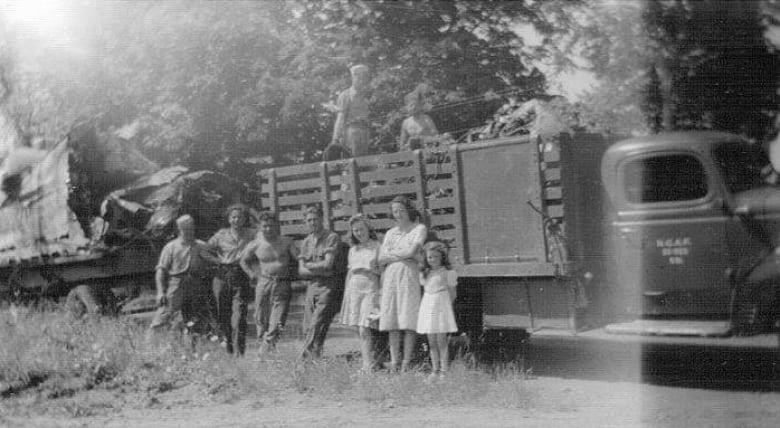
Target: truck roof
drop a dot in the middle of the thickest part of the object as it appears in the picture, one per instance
(698, 141)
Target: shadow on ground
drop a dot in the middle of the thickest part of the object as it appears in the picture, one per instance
(679, 365)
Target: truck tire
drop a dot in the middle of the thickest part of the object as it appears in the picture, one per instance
(83, 300)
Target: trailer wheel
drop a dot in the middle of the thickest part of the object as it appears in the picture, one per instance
(82, 300)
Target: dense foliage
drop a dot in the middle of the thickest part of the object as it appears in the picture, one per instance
(215, 83)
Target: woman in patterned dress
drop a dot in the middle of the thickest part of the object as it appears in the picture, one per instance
(361, 292)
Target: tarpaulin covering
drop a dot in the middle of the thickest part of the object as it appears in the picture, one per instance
(35, 219)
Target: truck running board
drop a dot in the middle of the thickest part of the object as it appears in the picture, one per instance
(671, 328)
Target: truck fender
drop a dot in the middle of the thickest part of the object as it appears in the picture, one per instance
(755, 296)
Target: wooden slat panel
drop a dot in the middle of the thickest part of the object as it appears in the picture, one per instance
(389, 190)
(308, 198)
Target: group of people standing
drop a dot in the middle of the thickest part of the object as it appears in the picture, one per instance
(381, 287)
(385, 280)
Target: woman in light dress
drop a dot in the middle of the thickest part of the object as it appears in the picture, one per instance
(361, 294)
(400, 253)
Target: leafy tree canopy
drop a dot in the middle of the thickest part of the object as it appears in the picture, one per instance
(210, 82)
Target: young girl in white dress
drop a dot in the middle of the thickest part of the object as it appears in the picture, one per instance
(361, 294)
(436, 317)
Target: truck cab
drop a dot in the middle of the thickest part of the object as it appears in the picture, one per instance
(694, 234)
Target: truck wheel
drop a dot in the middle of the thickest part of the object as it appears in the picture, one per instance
(82, 300)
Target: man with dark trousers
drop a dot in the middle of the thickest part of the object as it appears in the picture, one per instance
(325, 289)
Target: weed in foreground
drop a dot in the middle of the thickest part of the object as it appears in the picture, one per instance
(56, 357)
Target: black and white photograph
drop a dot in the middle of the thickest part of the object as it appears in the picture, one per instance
(383, 213)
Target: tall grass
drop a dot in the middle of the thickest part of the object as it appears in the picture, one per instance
(48, 354)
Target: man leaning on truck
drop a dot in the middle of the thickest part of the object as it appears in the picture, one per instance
(325, 290)
(179, 279)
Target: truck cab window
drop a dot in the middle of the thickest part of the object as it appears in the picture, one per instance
(667, 178)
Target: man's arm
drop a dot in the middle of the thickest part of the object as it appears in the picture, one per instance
(338, 127)
(324, 266)
(159, 279)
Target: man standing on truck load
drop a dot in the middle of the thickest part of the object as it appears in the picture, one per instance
(179, 280)
(325, 290)
(273, 255)
(231, 287)
(351, 128)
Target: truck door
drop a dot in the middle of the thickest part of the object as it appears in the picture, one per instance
(671, 234)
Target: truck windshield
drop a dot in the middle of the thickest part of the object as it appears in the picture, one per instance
(740, 163)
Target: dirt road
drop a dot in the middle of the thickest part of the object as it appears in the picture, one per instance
(557, 403)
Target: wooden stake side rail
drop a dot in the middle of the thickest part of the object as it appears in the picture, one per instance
(433, 181)
(365, 184)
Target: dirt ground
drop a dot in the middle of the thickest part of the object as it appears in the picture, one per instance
(581, 399)
(568, 403)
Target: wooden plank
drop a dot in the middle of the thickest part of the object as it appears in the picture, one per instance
(340, 226)
(301, 169)
(446, 234)
(551, 156)
(387, 174)
(438, 168)
(353, 179)
(446, 184)
(383, 159)
(439, 203)
(325, 195)
(443, 219)
(554, 211)
(376, 208)
(552, 193)
(292, 215)
(309, 183)
(461, 253)
(551, 174)
(273, 196)
(294, 229)
(309, 198)
(422, 202)
(382, 224)
(388, 190)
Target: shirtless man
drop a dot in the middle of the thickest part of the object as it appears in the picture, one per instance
(267, 262)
